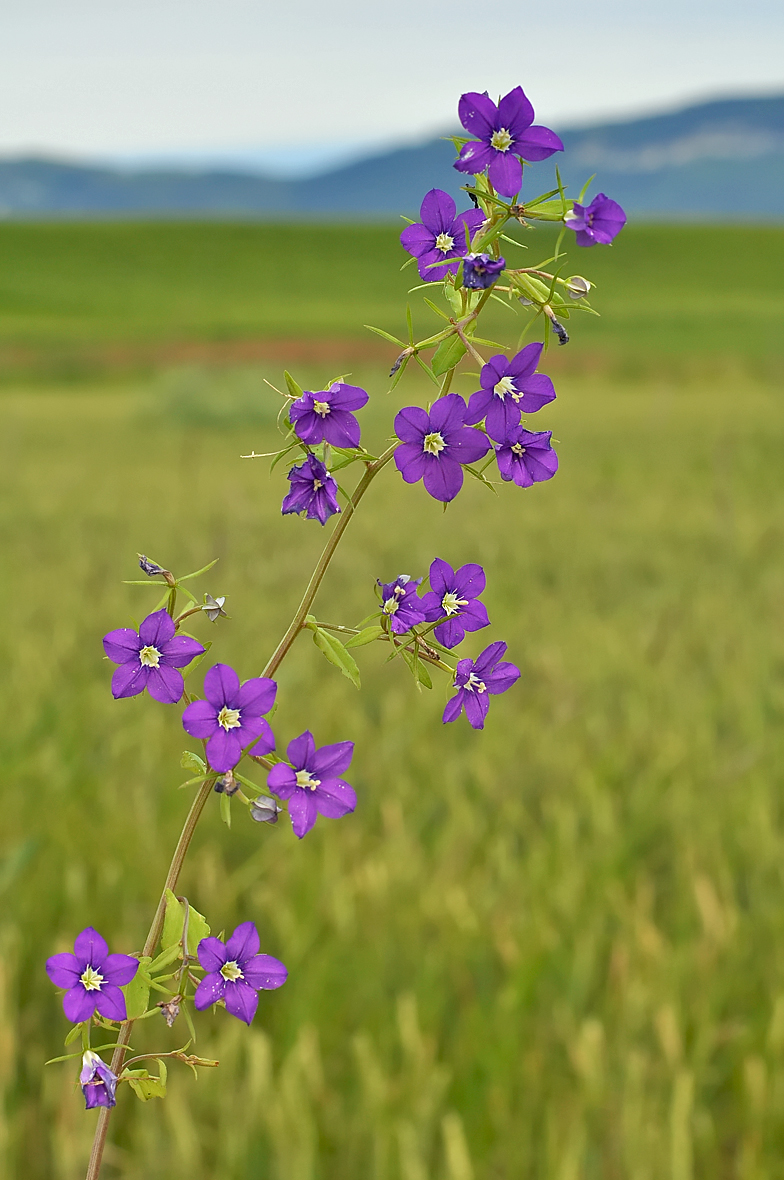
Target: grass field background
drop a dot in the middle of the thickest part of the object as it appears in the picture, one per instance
(553, 950)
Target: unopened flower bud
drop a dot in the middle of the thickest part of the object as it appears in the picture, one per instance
(264, 810)
(213, 607)
(480, 271)
(97, 1081)
(150, 568)
(578, 287)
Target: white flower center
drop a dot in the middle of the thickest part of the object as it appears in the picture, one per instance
(434, 443)
(229, 718)
(91, 979)
(231, 971)
(504, 386)
(501, 140)
(322, 408)
(317, 484)
(518, 448)
(390, 606)
(444, 243)
(150, 657)
(306, 780)
(475, 684)
(450, 603)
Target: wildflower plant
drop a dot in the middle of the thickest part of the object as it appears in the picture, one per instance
(422, 618)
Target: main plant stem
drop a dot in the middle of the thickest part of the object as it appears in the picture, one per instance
(192, 819)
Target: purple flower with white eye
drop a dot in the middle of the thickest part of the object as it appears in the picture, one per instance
(150, 658)
(476, 680)
(231, 717)
(312, 783)
(326, 416)
(526, 457)
(599, 222)
(434, 445)
(509, 389)
(480, 271)
(504, 133)
(236, 972)
(440, 235)
(455, 594)
(401, 603)
(97, 1081)
(92, 978)
(313, 491)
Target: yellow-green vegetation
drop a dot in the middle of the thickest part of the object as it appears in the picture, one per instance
(551, 950)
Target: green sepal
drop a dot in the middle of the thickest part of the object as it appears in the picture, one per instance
(173, 921)
(366, 635)
(294, 389)
(225, 809)
(550, 211)
(191, 761)
(449, 353)
(166, 958)
(336, 653)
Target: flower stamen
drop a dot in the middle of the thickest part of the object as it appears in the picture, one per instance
(91, 979)
(306, 780)
(504, 386)
(322, 408)
(229, 718)
(150, 657)
(451, 604)
(434, 443)
(231, 971)
(474, 684)
(501, 140)
(444, 243)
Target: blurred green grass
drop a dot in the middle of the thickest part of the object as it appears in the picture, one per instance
(551, 950)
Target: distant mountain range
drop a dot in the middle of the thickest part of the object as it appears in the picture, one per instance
(722, 159)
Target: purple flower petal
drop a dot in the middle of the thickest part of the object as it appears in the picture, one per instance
(503, 676)
(129, 680)
(506, 175)
(442, 577)
(165, 684)
(451, 632)
(212, 953)
(348, 397)
(180, 650)
(258, 732)
(478, 114)
(64, 969)
(443, 478)
(447, 414)
(119, 969)
(453, 708)
(221, 686)
(241, 1000)
(79, 1004)
(335, 798)
(282, 780)
(243, 944)
(411, 461)
(110, 1002)
(474, 157)
(90, 947)
(122, 645)
(490, 656)
(224, 749)
(257, 695)
(265, 971)
(302, 750)
(469, 445)
(538, 143)
(210, 990)
(437, 211)
(474, 616)
(412, 424)
(417, 240)
(157, 629)
(515, 112)
(502, 417)
(200, 719)
(331, 760)
(524, 363)
(476, 705)
(538, 391)
(341, 429)
(303, 812)
(469, 580)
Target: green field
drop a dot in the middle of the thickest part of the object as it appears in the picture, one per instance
(553, 950)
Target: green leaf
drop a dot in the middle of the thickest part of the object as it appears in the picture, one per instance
(198, 573)
(191, 761)
(137, 994)
(294, 389)
(417, 668)
(336, 653)
(172, 926)
(447, 355)
(145, 1085)
(366, 635)
(225, 811)
(167, 957)
(74, 1034)
(65, 1057)
(384, 335)
(434, 307)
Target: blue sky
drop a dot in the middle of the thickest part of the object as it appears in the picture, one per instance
(309, 81)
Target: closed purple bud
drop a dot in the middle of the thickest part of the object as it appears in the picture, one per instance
(97, 1081)
(480, 271)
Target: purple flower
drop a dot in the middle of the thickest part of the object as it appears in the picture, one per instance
(313, 491)
(92, 977)
(324, 416)
(236, 972)
(601, 221)
(440, 235)
(231, 717)
(504, 133)
(401, 603)
(480, 271)
(476, 680)
(455, 594)
(509, 388)
(97, 1081)
(434, 445)
(311, 784)
(150, 659)
(526, 457)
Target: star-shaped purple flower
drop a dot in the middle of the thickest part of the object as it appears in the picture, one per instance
(434, 445)
(526, 457)
(312, 783)
(480, 271)
(504, 133)
(455, 594)
(231, 717)
(150, 658)
(92, 977)
(599, 222)
(440, 235)
(97, 1081)
(313, 491)
(476, 680)
(509, 389)
(236, 972)
(401, 604)
(326, 416)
